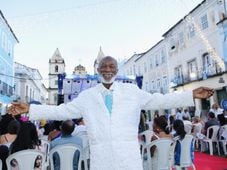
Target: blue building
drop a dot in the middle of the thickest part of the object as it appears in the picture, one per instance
(7, 42)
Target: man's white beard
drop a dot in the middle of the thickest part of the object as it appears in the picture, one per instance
(107, 81)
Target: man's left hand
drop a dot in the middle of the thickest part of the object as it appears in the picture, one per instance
(202, 92)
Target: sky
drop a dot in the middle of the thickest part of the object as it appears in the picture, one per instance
(79, 27)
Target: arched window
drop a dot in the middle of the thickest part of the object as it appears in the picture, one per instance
(56, 69)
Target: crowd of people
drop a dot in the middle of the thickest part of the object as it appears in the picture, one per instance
(17, 135)
(176, 126)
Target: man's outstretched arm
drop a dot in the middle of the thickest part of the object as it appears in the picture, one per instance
(62, 112)
(181, 99)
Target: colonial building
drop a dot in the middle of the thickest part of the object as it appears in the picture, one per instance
(28, 84)
(56, 66)
(191, 54)
(7, 43)
(196, 49)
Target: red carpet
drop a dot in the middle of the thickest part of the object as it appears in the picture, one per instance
(206, 162)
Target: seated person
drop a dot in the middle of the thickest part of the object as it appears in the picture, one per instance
(180, 133)
(211, 122)
(67, 128)
(160, 128)
(4, 152)
(27, 138)
(56, 132)
(196, 126)
(12, 131)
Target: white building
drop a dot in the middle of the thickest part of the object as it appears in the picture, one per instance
(130, 67)
(28, 84)
(196, 51)
(193, 53)
(56, 66)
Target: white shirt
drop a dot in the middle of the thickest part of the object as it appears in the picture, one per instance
(216, 111)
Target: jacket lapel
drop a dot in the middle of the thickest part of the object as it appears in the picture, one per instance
(98, 96)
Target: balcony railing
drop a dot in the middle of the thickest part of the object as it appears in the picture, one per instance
(199, 75)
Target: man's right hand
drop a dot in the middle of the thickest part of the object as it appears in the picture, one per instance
(18, 108)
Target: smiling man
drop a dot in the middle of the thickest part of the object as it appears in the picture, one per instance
(111, 112)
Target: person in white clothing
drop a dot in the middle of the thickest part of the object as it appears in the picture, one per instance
(186, 114)
(179, 114)
(216, 110)
(111, 112)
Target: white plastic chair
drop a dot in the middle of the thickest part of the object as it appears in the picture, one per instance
(26, 159)
(86, 150)
(188, 128)
(185, 156)
(86, 158)
(161, 155)
(66, 155)
(148, 134)
(212, 139)
(224, 141)
(46, 150)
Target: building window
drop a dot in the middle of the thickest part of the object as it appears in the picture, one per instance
(10, 90)
(55, 98)
(165, 82)
(158, 83)
(26, 92)
(151, 63)
(33, 94)
(178, 75)
(191, 30)
(181, 39)
(156, 60)
(163, 56)
(56, 69)
(208, 65)
(4, 88)
(152, 85)
(204, 22)
(139, 72)
(145, 67)
(172, 44)
(134, 69)
(192, 70)
(30, 94)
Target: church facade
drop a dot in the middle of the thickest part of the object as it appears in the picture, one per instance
(56, 67)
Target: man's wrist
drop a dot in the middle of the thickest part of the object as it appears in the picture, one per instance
(28, 108)
(193, 94)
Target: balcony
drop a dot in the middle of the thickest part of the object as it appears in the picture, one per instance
(197, 76)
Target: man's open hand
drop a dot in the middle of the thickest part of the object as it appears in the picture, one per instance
(18, 108)
(202, 92)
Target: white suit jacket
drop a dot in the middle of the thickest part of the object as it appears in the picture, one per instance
(113, 139)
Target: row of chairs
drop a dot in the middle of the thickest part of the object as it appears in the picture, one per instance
(26, 158)
(164, 159)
